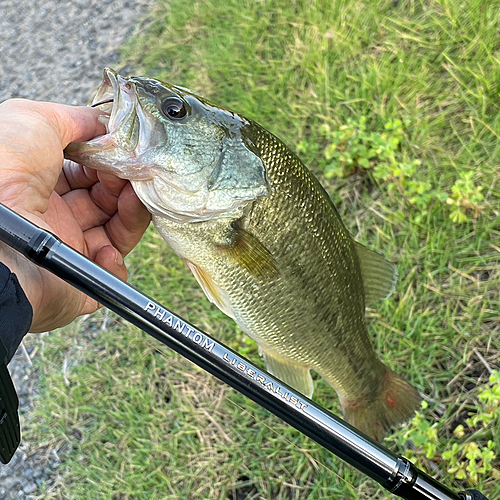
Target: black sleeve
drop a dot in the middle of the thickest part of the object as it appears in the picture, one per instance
(16, 312)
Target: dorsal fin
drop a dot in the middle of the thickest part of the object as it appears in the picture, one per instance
(379, 275)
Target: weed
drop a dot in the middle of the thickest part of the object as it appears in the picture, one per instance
(465, 458)
(465, 197)
(351, 149)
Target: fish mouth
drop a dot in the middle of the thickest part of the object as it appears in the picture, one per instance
(127, 130)
(116, 99)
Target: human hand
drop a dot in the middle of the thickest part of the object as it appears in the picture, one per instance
(97, 214)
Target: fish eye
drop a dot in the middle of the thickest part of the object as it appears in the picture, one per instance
(173, 108)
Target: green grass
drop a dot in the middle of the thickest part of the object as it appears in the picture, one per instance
(137, 424)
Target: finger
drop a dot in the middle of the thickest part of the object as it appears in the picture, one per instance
(95, 239)
(106, 196)
(71, 123)
(74, 123)
(62, 185)
(94, 207)
(127, 227)
(33, 137)
(84, 209)
(112, 183)
(111, 259)
(75, 176)
(105, 187)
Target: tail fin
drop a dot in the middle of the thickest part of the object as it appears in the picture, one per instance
(395, 403)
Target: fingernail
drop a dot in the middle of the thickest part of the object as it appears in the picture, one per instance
(118, 258)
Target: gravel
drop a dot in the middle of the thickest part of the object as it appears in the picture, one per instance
(54, 50)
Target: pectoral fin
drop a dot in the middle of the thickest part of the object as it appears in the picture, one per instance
(249, 252)
(296, 376)
(212, 290)
(379, 275)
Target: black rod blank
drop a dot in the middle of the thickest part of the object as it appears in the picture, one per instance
(394, 473)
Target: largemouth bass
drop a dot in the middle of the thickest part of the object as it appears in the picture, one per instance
(260, 235)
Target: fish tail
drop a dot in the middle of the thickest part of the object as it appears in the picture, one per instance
(395, 403)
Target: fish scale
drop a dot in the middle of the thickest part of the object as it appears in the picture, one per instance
(261, 236)
(311, 295)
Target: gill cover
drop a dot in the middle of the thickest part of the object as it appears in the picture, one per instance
(235, 177)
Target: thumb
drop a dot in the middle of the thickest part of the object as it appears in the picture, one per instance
(74, 123)
(71, 123)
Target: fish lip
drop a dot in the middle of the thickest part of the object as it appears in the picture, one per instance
(107, 90)
(123, 104)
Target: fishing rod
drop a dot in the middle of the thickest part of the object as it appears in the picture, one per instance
(395, 473)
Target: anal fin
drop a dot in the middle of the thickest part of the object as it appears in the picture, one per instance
(296, 376)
